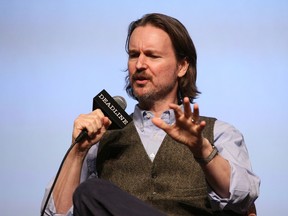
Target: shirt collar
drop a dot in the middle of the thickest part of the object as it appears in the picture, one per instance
(143, 117)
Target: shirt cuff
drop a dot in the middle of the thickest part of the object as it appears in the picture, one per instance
(243, 191)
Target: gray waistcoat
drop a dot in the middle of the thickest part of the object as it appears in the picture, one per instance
(174, 182)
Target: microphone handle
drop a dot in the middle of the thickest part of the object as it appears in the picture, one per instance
(83, 135)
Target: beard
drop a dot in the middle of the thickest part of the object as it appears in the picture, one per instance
(150, 96)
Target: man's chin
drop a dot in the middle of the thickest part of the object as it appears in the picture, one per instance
(142, 94)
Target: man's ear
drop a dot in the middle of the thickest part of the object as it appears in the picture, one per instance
(182, 67)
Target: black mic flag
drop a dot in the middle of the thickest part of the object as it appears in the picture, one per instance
(113, 110)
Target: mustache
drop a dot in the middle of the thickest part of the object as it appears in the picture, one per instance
(141, 75)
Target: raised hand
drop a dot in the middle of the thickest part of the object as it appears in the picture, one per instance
(187, 128)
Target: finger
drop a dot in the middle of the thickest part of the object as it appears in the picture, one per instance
(160, 123)
(106, 122)
(92, 122)
(187, 107)
(177, 110)
(96, 122)
(195, 115)
(201, 127)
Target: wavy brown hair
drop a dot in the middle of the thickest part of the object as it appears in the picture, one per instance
(183, 47)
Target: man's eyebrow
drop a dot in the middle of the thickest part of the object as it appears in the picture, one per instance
(132, 50)
(147, 51)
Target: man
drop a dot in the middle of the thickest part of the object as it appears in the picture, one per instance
(169, 159)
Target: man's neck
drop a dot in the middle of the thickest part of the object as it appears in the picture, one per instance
(158, 107)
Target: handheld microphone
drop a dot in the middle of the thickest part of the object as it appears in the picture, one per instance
(113, 108)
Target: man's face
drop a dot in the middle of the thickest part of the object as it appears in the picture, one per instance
(152, 65)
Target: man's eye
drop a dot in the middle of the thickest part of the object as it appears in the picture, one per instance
(133, 55)
(153, 56)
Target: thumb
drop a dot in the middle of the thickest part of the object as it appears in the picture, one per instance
(106, 122)
(160, 123)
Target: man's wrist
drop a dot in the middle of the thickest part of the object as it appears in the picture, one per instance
(206, 160)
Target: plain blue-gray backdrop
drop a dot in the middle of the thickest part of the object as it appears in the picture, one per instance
(55, 56)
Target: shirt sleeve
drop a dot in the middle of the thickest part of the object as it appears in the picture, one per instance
(244, 184)
(88, 171)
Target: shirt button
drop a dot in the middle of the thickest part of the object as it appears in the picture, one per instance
(152, 156)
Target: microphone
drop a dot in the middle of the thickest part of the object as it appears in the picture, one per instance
(113, 108)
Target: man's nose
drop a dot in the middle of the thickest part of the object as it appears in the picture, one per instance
(141, 62)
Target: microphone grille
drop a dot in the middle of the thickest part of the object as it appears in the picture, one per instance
(120, 101)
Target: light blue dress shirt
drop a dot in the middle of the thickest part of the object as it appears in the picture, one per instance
(244, 184)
